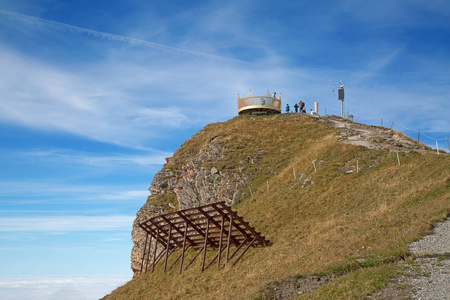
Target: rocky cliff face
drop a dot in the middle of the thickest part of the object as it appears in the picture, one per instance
(189, 184)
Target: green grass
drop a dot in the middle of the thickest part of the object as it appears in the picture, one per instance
(356, 285)
(318, 229)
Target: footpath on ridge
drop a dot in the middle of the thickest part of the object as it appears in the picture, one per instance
(373, 137)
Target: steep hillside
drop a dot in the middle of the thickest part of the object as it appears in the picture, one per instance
(341, 212)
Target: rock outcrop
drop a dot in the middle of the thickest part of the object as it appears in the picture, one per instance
(193, 183)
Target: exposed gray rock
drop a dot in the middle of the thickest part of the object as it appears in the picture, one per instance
(293, 286)
(138, 235)
(193, 185)
(307, 181)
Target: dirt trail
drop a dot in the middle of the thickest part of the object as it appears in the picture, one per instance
(373, 137)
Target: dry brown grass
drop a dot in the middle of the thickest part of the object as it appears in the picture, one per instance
(321, 228)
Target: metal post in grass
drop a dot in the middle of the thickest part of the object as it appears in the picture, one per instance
(167, 248)
(448, 145)
(418, 137)
(357, 167)
(267, 184)
(251, 194)
(148, 253)
(392, 125)
(398, 159)
(143, 254)
(437, 147)
(156, 248)
(293, 169)
(205, 244)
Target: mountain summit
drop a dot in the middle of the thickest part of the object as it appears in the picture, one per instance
(340, 201)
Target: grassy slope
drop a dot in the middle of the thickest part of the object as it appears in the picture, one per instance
(321, 228)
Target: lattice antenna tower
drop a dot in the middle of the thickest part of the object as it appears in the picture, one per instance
(340, 90)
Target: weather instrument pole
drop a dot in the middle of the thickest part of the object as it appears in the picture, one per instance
(340, 89)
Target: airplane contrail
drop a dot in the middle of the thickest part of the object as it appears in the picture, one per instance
(134, 41)
(121, 38)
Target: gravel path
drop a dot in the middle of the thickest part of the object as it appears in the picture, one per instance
(430, 277)
(437, 243)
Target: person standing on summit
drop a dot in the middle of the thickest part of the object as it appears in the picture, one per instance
(302, 105)
(288, 109)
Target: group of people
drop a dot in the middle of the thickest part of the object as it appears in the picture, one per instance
(300, 105)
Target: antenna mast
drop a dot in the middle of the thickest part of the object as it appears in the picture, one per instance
(340, 89)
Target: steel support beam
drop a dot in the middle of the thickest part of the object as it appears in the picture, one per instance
(143, 254)
(192, 260)
(184, 244)
(154, 253)
(220, 242)
(245, 250)
(205, 245)
(229, 238)
(167, 248)
(148, 253)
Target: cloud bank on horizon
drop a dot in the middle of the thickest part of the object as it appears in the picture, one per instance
(58, 287)
(93, 96)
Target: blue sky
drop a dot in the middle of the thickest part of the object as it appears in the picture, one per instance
(94, 95)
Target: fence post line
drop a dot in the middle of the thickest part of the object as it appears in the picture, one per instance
(418, 136)
(357, 168)
(437, 147)
(392, 125)
(398, 159)
(381, 122)
(267, 184)
(448, 145)
(293, 169)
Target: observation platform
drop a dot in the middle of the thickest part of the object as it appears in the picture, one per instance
(258, 105)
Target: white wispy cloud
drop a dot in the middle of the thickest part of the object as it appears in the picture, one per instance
(99, 104)
(59, 287)
(41, 96)
(11, 248)
(125, 195)
(119, 38)
(66, 224)
(374, 67)
(113, 239)
(67, 156)
(50, 191)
